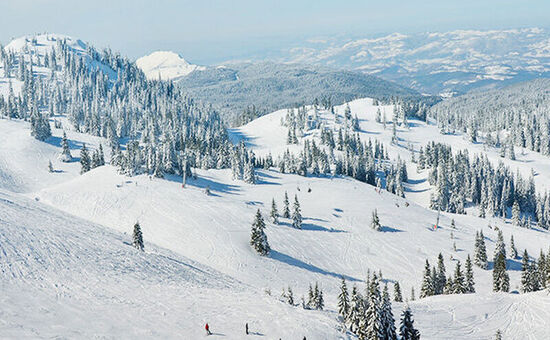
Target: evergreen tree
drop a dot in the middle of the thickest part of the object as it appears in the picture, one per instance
(516, 214)
(290, 297)
(296, 214)
(441, 278)
(138, 237)
(375, 221)
(480, 255)
(500, 247)
(526, 275)
(427, 288)
(459, 286)
(356, 310)
(249, 175)
(388, 321)
(470, 284)
(65, 155)
(501, 280)
(343, 301)
(85, 161)
(513, 250)
(286, 208)
(274, 214)
(397, 297)
(406, 328)
(258, 238)
(373, 320)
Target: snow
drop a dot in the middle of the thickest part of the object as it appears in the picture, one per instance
(63, 243)
(165, 65)
(36, 47)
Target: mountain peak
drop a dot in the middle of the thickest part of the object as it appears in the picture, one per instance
(166, 65)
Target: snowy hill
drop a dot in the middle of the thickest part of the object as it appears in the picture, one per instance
(269, 86)
(213, 232)
(165, 65)
(65, 237)
(438, 62)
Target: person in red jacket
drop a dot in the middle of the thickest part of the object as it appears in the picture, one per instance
(207, 329)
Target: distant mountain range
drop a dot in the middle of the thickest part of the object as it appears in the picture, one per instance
(438, 63)
(268, 86)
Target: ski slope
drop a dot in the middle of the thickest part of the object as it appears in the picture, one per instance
(69, 229)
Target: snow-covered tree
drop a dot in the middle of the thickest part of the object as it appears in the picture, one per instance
(406, 328)
(375, 221)
(501, 280)
(296, 214)
(480, 251)
(274, 214)
(65, 155)
(138, 237)
(258, 238)
(343, 301)
(286, 206)
(85, 161)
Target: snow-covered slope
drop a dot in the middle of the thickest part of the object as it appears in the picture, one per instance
(165, 65)
(37, 47)
(199, 266)
(63, 277)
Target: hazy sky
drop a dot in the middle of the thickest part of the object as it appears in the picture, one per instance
(209, 31)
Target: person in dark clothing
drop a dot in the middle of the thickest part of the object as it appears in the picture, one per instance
(246, 328)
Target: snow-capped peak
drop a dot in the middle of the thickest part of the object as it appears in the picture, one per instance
(165, 65)
(41, 43)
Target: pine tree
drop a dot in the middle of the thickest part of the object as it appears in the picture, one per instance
(85, 161)
(480, 255)
(513, 250)
(516, 214)
(375, 221)
(249, 175)
(500, 247)
(65, 155)
(290, 297)
(441, 278)
(427, 288)
(397, 297)
(274, 214)
(459, 286)
(343, 301)
(356, 310)
(526, 274)
(286, 208)
(406, 328)
(296, 214)
(501, 280)
(373, 329)
(412, 294)
(470, 284)
(138, 237)
(388, 321)
(258, 238)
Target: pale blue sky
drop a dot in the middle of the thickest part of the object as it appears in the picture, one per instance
(210, 31)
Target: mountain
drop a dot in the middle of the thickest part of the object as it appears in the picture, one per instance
(198, 265)
(437, 63)
(165, 65)
(270, 86)
(143, 151)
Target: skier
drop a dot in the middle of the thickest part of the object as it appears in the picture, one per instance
(207, 329)
(246, 328)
